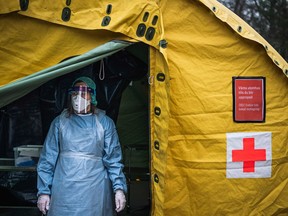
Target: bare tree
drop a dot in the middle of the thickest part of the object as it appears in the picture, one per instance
(268, 17)
(239, 7)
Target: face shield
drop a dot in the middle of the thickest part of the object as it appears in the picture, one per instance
(80, 98)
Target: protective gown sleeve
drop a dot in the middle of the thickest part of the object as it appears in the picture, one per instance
(48, 159)
(113, 155)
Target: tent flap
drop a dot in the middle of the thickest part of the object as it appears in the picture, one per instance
(19, 88)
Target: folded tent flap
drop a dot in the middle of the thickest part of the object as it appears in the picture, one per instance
(14, 90)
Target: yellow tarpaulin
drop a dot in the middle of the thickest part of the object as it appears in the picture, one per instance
(203, 56)
(196, 48)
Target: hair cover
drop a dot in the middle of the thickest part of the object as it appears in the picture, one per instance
(90, 83)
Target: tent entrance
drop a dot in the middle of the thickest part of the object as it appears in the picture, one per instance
(133, 128)
(122, 91)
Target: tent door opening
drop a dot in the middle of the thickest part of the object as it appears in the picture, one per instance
(122, 92)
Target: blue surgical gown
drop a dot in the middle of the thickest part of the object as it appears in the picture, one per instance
(80, 159)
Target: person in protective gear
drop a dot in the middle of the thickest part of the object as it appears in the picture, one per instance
(80, 164)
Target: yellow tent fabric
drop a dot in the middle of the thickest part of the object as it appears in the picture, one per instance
(203, 56)
(196, 47)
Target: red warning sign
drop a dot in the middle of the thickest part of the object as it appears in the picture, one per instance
(249, 99)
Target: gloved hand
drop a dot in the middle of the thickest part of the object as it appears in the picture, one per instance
(43, 203)
(120, 200)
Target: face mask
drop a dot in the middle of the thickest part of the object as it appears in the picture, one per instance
(80, 104)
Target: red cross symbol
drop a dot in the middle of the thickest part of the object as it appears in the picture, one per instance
(248, 155)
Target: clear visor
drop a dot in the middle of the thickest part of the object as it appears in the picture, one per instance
(80, 98)
(83, 91)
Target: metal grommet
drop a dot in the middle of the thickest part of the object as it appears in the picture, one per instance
(141, 29)
(157, 111)
(156, 178)
(68, 2)
(109, 9)
(286, 72)
(239, 29)
(106, 20)
(276, 62)
(266, 47)
(145, 17)
(163, 43)
(161, 77)
(24, 5)
(150, 33)
(214, 8)
(66, 13)
(157, 145)
(155, 19)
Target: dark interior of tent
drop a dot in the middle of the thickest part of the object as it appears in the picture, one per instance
(122, 92)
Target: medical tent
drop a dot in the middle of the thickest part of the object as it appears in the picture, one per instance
(215, 93)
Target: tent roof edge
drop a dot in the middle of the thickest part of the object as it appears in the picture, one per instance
(246, 31)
